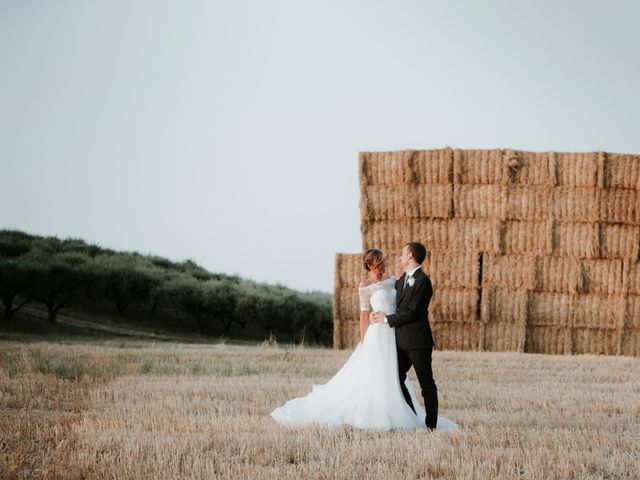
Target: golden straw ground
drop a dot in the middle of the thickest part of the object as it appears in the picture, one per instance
(148, 410)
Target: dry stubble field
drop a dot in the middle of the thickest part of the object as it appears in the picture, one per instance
(125, 409)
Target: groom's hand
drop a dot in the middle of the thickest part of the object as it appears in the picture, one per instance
(376, 317)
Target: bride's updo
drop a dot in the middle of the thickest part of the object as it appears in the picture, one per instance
(372, 257)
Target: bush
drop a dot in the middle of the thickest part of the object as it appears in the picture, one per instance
(56, 272)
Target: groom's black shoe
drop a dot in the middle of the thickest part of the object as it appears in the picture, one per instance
(430, 425)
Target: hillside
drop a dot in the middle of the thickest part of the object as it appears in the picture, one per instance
(52, 287)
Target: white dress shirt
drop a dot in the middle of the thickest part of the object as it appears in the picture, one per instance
(410, 273)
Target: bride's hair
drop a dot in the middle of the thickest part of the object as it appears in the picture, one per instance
(372, 257)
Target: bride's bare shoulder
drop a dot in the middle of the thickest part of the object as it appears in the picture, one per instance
(367, 283)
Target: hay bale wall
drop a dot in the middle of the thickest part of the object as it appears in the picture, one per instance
(531, 251)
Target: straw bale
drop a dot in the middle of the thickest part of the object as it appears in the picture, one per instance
(388, 236)
(382, 202)
(548, 339)
(391, 237)
(433, 233)
(341, 334)
(574, 204)
(409, 161)
(575, 239)
(337, 322)
(601, 173)
(349, 336)
(601, 276)
(456, 336)
(554, 239)
(501, 305)
(621, 171)
(454, 304)
(478, 167)
(557, 274)
(338, 343)
(528, 168)
(474, 235)
(631, 277)
(348, 304)
(348, 274)
(596, 311)
(349, 270)
(527, 203)
(434, 166)
(553, 168)
(378, 203)
(504, 337)
(381, 168)
(434, 201)
(479, 201)
(366, 169)
(366, 206)
(346, 316)
(619, 241)
(550, 308)
(595, 341)
(455, 269)
(618, 206)
(518, 237)
(576, 169)
(619, 304)
(354, 334)
(630, 342)
(521, 167)
(632, 311)
(405, 167)
(515, 272)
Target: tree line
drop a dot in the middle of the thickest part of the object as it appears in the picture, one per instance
(55, 273)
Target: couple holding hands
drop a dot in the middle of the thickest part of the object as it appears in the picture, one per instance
(371, 390)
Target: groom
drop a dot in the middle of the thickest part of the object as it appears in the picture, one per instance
(414, 342)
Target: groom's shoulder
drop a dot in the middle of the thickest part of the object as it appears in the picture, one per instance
(424, 275)
(420, 272)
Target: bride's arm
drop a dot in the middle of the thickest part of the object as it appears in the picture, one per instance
(364, 322)
(365, 309)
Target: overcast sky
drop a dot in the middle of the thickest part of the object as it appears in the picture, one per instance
(228, 131)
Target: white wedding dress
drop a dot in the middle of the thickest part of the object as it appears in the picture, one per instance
(365, 393)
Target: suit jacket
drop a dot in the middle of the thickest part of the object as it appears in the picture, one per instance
(411, 319)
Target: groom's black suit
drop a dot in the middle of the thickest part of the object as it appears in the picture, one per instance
(414, 341)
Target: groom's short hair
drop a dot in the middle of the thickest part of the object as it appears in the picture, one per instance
(418, 251)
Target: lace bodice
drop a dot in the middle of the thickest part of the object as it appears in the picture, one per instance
(379, 296)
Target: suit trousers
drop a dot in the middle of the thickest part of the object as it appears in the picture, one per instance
(421, 361)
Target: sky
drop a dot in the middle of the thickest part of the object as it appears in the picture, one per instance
(228, 132)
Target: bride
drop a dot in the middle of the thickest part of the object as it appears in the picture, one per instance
(365, 393)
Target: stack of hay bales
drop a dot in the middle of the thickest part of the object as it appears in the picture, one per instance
(535, 252)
